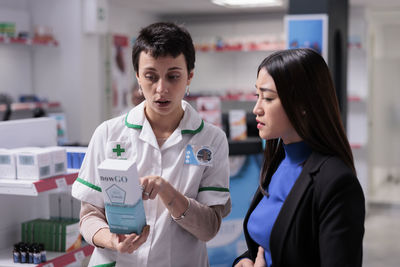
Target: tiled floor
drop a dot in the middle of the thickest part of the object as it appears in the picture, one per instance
(382, 236)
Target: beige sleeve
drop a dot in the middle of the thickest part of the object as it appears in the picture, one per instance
(92, 219)
(203, 221)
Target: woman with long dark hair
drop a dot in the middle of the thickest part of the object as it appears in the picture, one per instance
(309, 208)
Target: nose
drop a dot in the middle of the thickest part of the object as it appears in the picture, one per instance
(162, 86)
(257, 110)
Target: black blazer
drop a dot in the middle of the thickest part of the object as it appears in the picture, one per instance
(321, 223)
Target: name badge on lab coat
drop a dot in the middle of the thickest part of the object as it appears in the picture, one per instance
(199, 155)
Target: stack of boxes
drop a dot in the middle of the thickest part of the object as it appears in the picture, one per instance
(60, 235)
(75, 156)
(32, 163)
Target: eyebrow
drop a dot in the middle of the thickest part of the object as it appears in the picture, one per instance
(153, 69)
(262, 89)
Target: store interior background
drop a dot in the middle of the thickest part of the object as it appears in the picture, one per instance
(72, 74)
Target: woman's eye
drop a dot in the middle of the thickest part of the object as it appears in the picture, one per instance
(151, 77)
(173, 77)
(268, 99)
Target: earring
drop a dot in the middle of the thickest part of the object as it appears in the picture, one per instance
(187, 90)
(303, 113)
(140, 90)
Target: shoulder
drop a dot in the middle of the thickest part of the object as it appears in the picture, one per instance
(116, 122)
(106, 128)
(214, 134)
(334, 178)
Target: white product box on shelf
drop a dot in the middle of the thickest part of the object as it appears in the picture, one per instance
(8, 168)
(237, 124)
(58, 159)
(33, 164)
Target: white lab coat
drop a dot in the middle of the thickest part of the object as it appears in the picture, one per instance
(203, 178)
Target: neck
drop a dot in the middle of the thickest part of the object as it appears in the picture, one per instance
(164, 126)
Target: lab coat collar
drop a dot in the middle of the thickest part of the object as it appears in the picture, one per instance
(191, 123)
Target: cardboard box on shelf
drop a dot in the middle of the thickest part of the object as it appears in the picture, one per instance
(8, 168)
(33, 164)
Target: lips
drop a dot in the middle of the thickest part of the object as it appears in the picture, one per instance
(162, 102)
(259, 124)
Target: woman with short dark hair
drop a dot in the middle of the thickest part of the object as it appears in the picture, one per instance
(184, 198)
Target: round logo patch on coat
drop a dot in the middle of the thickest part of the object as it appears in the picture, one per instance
(204, 155)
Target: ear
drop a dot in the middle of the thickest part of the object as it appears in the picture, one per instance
(190, 77)
(137, 79)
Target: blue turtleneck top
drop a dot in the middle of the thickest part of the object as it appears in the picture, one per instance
(263, 217)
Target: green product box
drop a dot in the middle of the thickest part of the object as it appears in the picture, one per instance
(23, 231)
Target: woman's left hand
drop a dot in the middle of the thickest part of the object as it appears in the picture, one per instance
(260, 260)
(173, 200)
(152, 185)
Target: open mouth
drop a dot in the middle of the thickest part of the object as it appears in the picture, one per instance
(162, 102)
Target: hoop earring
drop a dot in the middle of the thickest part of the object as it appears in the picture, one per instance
(187, 90)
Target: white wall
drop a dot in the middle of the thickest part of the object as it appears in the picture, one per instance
(57, 72)
(16, 60)
(357, 87)
(384, 34)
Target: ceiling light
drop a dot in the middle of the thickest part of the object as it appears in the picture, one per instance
(248, 3)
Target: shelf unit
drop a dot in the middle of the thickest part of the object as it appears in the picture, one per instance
(247, 47)
(28, 41)
(54, 259)
(34, 188)
(56, 184)
(30, 106)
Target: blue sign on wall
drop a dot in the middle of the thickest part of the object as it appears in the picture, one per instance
(307, 31)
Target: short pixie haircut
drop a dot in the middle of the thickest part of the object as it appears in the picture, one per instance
(164, 39)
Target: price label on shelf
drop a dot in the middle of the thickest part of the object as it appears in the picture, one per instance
(61, 183)
(79, 256)
(49, 265)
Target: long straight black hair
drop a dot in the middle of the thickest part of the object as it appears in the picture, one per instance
(306, 91)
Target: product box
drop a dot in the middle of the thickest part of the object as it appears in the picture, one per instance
(59, 160)
(8, 167)
(33, 164)
(237, 124)
(55, 234)
(122, 194)
(209, 109)
(71, 238)
(75, 156)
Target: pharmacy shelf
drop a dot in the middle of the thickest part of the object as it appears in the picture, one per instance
(30, 106)
(28, 41)
(251, 145)
(356, 145)
(242, 47)
(355, 98)
(34, 188)
(55, 259)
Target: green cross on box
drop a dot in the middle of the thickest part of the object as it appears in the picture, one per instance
(118, 150)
